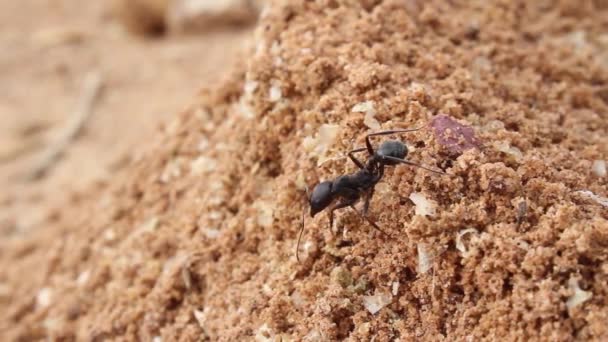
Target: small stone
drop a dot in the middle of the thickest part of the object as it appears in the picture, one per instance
(453, 135)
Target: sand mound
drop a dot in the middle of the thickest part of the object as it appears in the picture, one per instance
(198, 237)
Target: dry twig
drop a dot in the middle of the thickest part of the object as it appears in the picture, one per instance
(48, 157)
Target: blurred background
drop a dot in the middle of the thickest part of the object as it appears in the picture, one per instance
(84, 82)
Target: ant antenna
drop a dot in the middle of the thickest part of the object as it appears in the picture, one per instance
(414, 164)
(302, 226)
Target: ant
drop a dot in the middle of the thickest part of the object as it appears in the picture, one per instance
(346, 190)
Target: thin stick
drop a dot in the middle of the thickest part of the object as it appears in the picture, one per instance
(48, 157)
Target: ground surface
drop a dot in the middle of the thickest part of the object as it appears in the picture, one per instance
(49, 49)
(196, 237)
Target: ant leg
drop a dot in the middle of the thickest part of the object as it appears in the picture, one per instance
(403, 161)
(355, 160)
(368, 198)
(369, 221)
(347, 202)
(380, 174)
(368, 144)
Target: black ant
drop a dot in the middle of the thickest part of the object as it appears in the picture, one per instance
(346, 190)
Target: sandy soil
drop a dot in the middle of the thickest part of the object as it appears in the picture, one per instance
(196, 238)
(49, 50)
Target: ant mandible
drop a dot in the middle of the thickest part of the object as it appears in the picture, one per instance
(346, 190)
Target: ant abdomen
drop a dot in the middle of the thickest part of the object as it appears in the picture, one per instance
(391, 148)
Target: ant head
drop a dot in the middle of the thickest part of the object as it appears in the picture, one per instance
(392, 148)
(320, 198)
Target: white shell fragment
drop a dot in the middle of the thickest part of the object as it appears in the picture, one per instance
(300, 181)
(375, 303)
(513, 151)
(150, 225)
(171, 171)
(313, 336)
(459, 244)
(320, 144)
(599, 168)
(44, 297)
(212, 233)
(264, 334)
(369, 120)
(578, 296)
(201, 317)
(192, 16)
(109, 234)
(424, 206)
(5, 290)
(245, 110)
(395, 288)
(275, 93)
(250, 87)
(590, 195)
(363, 107)
(265, 216)
(202, 165)
(202, 145)
(425, 258)
(83, 278)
